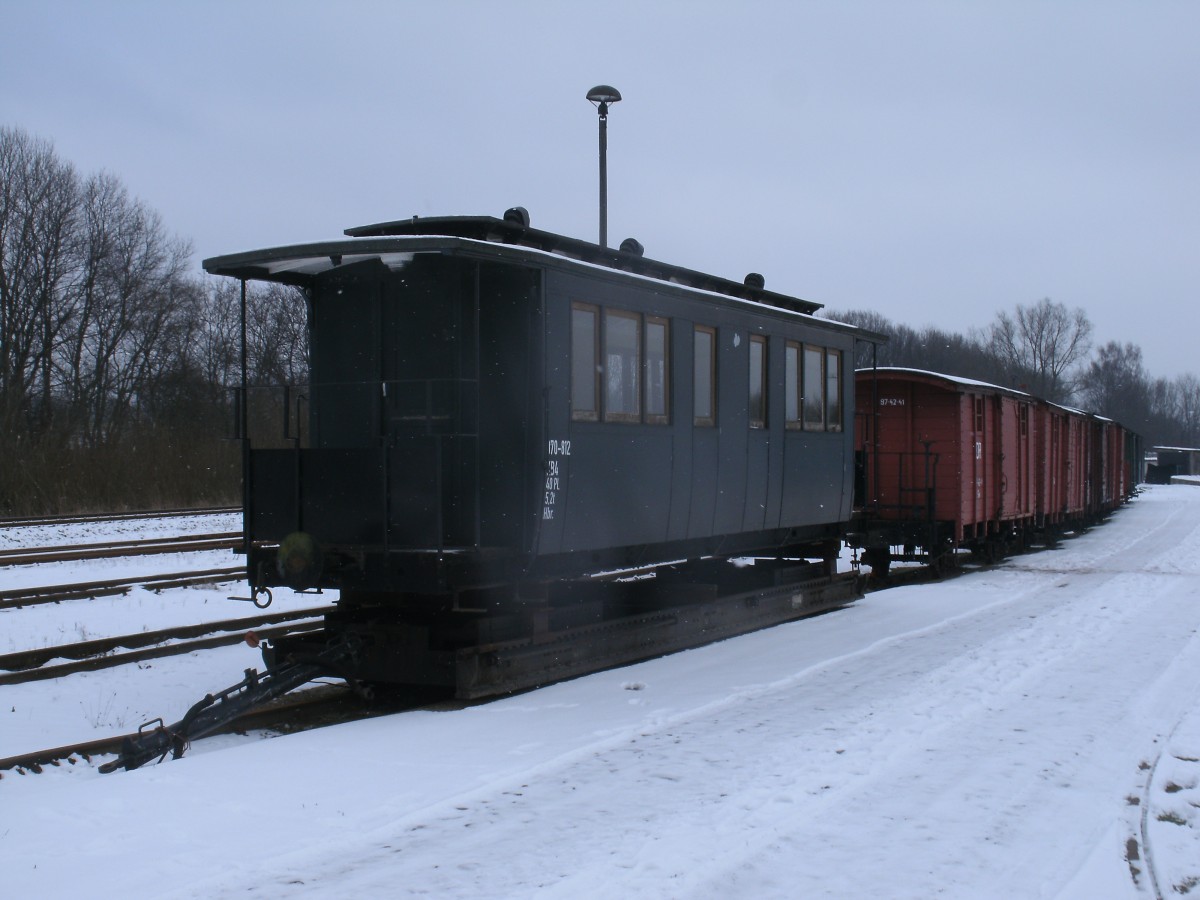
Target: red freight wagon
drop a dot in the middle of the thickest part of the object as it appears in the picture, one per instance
(945, 462)
(1053, 471)
(1067, 447)
(1119, 466)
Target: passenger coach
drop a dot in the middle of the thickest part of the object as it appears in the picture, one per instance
(492, 404)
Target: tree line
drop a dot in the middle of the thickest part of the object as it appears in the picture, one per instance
(117, 361)
(1045, 349)
(119, 364)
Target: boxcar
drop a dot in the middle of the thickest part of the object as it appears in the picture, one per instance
(945, 462)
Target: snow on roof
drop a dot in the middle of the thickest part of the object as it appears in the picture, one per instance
(953, 379)
(309, 260)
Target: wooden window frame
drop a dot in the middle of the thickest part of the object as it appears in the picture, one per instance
(820, 379)
(834, 415)
(663, 418)
(758, 421)
(592, 415)
(628, 418)
(792, 386)
(710, 420)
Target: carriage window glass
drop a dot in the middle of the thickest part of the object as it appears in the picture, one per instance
(705, 371)
(833, 390)
(757, 406)
(585, 342)
(791, 385)
(622, 366)
(657, 373)
(979, 414)
(1024, 417)
(814, 389)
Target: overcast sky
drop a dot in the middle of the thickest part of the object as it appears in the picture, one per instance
(934, 161)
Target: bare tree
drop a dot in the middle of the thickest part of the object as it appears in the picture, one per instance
(1116, 385)
(38, 210)
(129, 312)
(277, 334)
(1187, 408)
(1041, 347)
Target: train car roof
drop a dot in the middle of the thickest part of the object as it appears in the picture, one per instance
(515, 230)
(395, 243)
(955, 380)
(958, 381)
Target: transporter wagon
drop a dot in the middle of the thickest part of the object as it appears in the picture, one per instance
(501, 423)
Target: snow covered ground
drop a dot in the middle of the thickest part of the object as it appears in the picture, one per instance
(1032, 730)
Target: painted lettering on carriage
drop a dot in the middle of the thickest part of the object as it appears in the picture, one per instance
(891, 401)
(553, 476)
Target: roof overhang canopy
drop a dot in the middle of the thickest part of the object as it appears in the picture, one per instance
(389, 241)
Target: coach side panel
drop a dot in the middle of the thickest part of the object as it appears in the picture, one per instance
(668, 420)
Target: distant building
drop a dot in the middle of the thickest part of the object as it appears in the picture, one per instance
(1169, 461)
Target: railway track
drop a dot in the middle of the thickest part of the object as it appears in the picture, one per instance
(19, 597)
(23, 556)
(28, 521)
(311, 708)
(315, 707)
(298, 712)
(30, 665)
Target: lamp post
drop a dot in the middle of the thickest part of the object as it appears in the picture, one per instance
(602, 96)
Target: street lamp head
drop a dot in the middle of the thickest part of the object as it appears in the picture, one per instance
(601, 96)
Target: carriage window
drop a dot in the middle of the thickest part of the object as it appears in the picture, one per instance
(1024, 417)
(585, 341)
(791, 384)
(814, 389)
(979, 414)
(656, 376)
(705, 373)
(622, 355)
(620, 366)
(757, 406)
(833, 390)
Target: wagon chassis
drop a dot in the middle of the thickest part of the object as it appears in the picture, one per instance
(632, 619)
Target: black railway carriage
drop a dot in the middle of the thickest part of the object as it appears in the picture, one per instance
(494, 409)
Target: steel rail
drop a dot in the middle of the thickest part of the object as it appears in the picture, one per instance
(280, 714)
(111, 660)
(22, 660)
(21, 556)
(33, 521)
(87, 590)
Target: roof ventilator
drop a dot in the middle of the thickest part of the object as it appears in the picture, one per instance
(518, 216)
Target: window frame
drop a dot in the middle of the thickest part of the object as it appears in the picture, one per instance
(817, 352)
(710, 420)
(592, 415)
(648, 417)
(628, 418)
(833, 404)
(599, 388)
(758, 421)
(793, 406)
